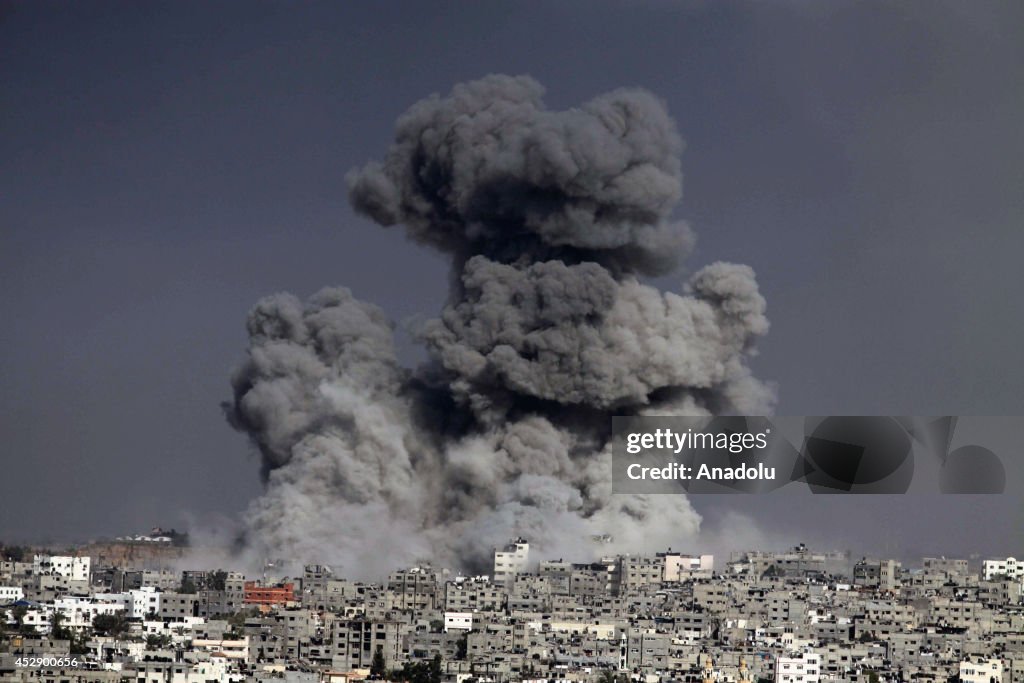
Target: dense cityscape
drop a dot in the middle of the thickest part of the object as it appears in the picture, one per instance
(117, 611)
(663, 341)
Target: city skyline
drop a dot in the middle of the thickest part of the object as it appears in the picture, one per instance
(796, 616)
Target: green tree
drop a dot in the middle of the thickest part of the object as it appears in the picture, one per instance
(57, 629)
(418, 672)
(187, 586)
(377, 666)
(79, 643)
(435, 669)
(218, 580)
(236, 620)
(18, 613)
(110, 624)
(158, 642)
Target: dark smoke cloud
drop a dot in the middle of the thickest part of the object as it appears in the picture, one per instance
(489, 170)
(550, 217)
(573, 334)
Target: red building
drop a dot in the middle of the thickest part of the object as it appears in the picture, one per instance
(256, 594)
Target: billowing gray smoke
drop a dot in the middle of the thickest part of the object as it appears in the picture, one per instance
(550, 218)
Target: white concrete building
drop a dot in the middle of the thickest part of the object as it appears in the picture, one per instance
(511, 560)
(78, 613)
(1010, 568)
(119, 600)
(142, 602)
(458, 621)
(600, 631)
(166, 672)
(9, 594)
(72, 568)
(216, 669)
(803, 669)
(981, 671)
(237, 649)
(104, 647)
(39, 618)
(681, 567)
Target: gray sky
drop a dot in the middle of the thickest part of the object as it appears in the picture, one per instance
(163, 165)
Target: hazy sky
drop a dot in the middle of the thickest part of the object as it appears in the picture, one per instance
(163, 165)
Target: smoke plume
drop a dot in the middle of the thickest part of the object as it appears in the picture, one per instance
(551, 219)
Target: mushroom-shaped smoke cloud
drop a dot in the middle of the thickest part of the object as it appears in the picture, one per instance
(550, 218)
